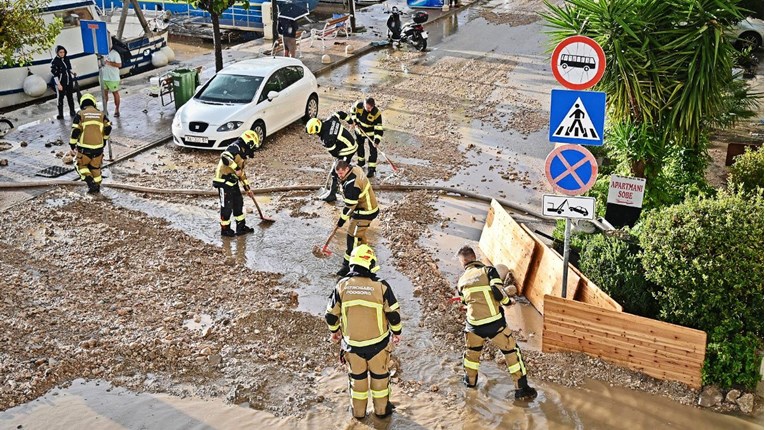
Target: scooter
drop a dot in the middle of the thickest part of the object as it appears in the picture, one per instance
(412, 33)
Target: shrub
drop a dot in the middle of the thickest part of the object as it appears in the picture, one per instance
(747, 171)
(615, 266)
(706, 256)
(732, 358)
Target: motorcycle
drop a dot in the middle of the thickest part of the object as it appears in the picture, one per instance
(412, 33)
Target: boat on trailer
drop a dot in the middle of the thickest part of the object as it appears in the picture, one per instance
(23, 84)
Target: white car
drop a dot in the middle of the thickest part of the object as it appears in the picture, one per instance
(262, 94)
(748, 32)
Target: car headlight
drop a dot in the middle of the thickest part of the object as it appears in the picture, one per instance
(177, 121)
(229, 126)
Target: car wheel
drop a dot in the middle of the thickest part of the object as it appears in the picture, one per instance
(748, 39)
(311, 108)
(5, 126)
(260, 129)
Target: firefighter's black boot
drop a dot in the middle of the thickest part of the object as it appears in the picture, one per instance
(92, 186)
(466, 381)
(330, 196)
(524, 391)
(370, 172)
(226, 231)
(389, 408)
(242, 228)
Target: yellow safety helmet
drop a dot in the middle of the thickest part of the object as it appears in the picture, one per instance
(313, 126)
(364, 256)
(87, 97)
(251, 139)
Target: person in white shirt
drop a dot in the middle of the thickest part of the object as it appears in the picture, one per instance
(111, 77)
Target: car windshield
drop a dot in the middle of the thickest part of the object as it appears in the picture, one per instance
(231, 89)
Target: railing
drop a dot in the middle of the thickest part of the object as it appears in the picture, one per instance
(235, 16)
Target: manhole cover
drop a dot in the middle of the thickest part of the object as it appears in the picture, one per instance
(54, 171)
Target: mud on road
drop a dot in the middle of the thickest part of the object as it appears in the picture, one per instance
(98, 291)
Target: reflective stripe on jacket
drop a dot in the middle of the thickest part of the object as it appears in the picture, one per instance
(230, 161)
(359, 197)
(480, 290)
(365, 309)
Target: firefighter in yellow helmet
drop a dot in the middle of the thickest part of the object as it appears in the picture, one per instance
(338, 141)
(90, 131)
(229, 173)
(363, 313)
(480, 289)
(360, 208)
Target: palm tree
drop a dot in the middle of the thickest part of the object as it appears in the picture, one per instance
(668, 64)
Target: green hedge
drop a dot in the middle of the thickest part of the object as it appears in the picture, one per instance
(706, 255)
(747, 171)
(615, 266)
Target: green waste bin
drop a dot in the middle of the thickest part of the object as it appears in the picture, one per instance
(185, 82)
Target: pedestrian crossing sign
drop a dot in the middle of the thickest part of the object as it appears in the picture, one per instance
(577, 117)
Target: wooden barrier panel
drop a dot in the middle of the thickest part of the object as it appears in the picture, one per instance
(503, 241)
(662, 350)
(545, 275)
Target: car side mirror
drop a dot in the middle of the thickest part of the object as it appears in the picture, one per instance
(272, 95)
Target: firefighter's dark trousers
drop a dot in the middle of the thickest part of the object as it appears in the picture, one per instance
(360, 153)
(231, 201)
(369, 374)
(505, 342)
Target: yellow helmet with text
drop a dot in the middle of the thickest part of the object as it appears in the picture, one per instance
(364, 256)
(251, 139)
(313, 126)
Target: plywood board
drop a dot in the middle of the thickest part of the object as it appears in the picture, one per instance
(503, 241)
(546, 275)
(659, 349)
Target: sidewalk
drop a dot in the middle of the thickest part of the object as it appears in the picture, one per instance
(145, 123)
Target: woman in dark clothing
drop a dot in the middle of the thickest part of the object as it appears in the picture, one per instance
(64, 78)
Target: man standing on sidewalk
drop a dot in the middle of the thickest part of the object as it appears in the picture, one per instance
(111, 77)
(479, 289)
(364, 313)
(288, 29)
(90, 131)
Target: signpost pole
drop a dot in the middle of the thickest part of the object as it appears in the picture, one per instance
(566, 251)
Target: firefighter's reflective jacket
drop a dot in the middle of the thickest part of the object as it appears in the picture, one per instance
(337, 140)
(365, 309)
(231, 160)
(359, 198)
(90, 129)
(480, 289)
(369, 122)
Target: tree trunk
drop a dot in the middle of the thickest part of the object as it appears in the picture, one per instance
(638, 168)
(216, 42)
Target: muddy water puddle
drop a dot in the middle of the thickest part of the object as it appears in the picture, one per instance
(98, 405)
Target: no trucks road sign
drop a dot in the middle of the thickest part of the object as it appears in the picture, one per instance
(578, 62)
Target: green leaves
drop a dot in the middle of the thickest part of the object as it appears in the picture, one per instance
(23, 32)
(706, 257)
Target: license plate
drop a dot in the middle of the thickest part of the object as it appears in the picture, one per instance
(424, 34)
(196, 139)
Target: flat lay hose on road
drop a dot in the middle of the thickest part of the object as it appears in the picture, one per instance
(7, 186)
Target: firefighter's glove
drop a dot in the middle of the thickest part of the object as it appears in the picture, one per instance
(340, 222)
(342, 357)
(377, 142)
